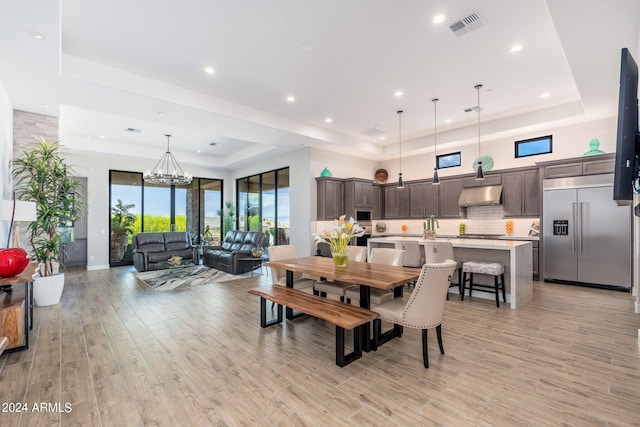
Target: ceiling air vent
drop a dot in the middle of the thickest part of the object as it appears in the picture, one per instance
(466, 25)
(475, 109)
(373, 131)
(133, 130)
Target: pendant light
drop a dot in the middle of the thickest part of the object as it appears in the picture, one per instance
(400, 181)
(436, 178)
(479, 172)
(167, 171)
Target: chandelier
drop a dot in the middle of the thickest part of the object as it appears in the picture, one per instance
(167, 171)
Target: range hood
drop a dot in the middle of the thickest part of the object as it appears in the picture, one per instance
(481, 196)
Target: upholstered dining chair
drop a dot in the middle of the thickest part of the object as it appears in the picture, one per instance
(412, 253)
(386, 256)
(424, 308)
(324, 287)
(439, 251)
(279, 276)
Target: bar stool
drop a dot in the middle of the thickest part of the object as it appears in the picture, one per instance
(494, 269)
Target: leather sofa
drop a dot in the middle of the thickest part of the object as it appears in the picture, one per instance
(150, 250)
(235, 246)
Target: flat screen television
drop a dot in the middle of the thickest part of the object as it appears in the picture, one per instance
(627, 163)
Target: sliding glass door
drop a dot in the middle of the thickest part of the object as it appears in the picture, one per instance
(126, 215)
(263, 205)
(194, 208)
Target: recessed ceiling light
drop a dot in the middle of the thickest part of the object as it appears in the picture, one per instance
(515, 48)
(198, 151)
(101, 136)
(160, 113)
(209, 70)
(39, 36)
(447, 120)
(306, 47)
(398, 93)
(291, 98)
(438, 19)
(545, 95)
(382, 138)
(328, 120)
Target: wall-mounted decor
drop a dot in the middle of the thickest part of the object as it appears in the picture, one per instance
(381, 176)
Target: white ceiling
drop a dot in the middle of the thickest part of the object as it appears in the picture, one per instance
(107, 66)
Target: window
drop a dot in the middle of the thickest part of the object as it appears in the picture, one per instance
(534, 146)
(448, 160)
(194, 208)
(263, 205)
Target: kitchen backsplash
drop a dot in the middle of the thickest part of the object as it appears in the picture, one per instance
(480, 220)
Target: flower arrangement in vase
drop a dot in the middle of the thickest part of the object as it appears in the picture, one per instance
(338, 238)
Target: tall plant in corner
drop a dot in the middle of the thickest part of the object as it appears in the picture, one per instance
(228, 214)
(41, 175)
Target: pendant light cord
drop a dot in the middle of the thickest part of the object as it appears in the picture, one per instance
(400, 136)
(435, 129)
(478, 88)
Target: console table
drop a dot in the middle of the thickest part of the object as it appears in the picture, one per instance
(16, 310)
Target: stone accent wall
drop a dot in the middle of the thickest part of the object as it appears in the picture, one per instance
(30, 127)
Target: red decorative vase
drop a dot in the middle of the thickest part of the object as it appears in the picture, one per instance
(13, 261)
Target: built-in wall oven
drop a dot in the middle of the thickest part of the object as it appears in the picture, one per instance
(363, 218)
(362, 240)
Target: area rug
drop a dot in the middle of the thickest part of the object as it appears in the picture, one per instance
(183, 277)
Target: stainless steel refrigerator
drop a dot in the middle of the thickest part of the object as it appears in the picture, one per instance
(586, 235)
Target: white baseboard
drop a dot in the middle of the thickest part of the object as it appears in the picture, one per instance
(98, 267)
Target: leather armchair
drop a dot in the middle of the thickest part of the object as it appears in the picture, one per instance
(235, 246)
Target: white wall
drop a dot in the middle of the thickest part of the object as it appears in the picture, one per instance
(6, 154)
(568, 141)
(96, 169)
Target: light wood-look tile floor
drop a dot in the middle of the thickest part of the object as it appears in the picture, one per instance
(115, 353)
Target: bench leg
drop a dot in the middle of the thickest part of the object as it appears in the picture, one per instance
(263, 314)
(344, 359)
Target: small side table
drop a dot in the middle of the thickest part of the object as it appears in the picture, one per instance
(256, 261)
(15, 301)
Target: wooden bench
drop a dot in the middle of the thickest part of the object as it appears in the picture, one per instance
(344, 316)
(4, 342)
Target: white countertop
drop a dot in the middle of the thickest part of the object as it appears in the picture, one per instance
(529, 238)
(444, 236)
(460, 243)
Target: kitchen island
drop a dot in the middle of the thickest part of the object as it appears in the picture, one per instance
(514, 254)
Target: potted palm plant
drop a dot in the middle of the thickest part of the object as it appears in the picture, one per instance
(121, 228)
(41, 175)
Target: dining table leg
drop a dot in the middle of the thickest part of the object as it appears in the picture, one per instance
(365, 302)
(289, 314)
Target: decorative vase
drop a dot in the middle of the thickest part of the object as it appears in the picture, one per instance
(47, 290)
(13, 261)
(429, 235)
(340, 258)
(509, 227)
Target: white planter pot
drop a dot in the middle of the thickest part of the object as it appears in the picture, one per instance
(48, 290)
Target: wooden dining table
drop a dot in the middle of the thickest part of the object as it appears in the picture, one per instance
(365, 274)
